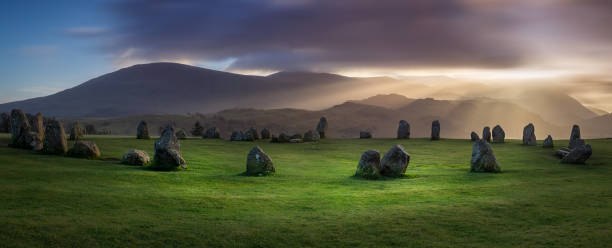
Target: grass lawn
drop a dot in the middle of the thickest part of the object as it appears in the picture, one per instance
(311, 201)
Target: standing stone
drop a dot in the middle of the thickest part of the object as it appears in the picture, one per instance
(142, 132)
(369, 165)
(5, 123)
(311, 136)
(55, 138)
(77, 132)
(90, 129)
(395, 162)
(265, 133)
(575, 139)
(254, 133)
(249, 135)
(548, 142)
(403, 130)
(499, 135)
(20, 129)
(578, 155)
(37, 125)
(486, 134)
(474, 136)
(529, 137)
(136, 157)
(198, 129)
(181, 134)
(282, 138)
(365, 135)
(84, 149)
(168, 151)
(322, 127)
(483, 159)
(435, 130)
(259, 163)
(212, 133)
(237, 136)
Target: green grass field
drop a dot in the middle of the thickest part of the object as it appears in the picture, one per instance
(311, 201)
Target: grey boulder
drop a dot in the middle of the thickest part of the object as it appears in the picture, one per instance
(548, 142)
(168, 151)
(529, 137)
(369, 165)
(136, 157)
(403, 130)
(498, 134)
(395, 162)
(483, 158)
(84, 149)
(259, 163)
(578, 155)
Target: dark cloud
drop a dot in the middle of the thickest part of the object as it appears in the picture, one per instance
(307, 34)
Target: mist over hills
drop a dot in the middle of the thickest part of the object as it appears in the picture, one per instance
(293, 102)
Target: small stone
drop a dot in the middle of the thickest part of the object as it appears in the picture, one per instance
(142, 131)
(365, 135)
(369, 165)
(265, 133)
(548, 142)
(84, 149)
(212, 133)
(237, 136)
(136, 157)
(474, 136)
(259, 163)
(181, 134)
(311, 136)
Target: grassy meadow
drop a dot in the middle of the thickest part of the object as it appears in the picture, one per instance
(311, 201)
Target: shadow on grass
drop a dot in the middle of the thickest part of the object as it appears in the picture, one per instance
(384, 178)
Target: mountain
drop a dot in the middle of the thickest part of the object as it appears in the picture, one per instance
(391, 101)
(597, 111)
(170, 88)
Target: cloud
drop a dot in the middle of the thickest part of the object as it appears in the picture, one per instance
(283, 35)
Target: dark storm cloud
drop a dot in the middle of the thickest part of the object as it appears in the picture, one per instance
(307, 34)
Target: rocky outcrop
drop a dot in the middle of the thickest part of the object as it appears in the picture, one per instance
(212, 133)
(311, 136)
(474, 136)
(84, 149)
(529, 137)
(55, 138)
(168, 151)
(136, 157)
(322, 127)
(142, 131)
(403, 130)
(259, 163)
(435, 130)
(369, 165)
(483, 158)
(365, 135)
(499, 136)
(486, 134)
(548, 142)
(395, 162)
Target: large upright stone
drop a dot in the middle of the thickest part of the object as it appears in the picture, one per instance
(77, 132)
(212, 133)
(499, 136)
(259, 163)
(578, 155)
(403, 130)
(5, 123)
(142, 131)
(529, 137)
(265, 133)
(575, 139)
(435, 130)
(84, 149)
(483, 159)
(322, 127)
(395, 162)
(20, 129)
(474, 136)
(55, 138)
(369, 165)
(311, 136)
(486, 134)
(168, 151)
(37, 125)
(548, 142)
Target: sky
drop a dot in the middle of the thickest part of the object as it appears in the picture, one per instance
(48, 46)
